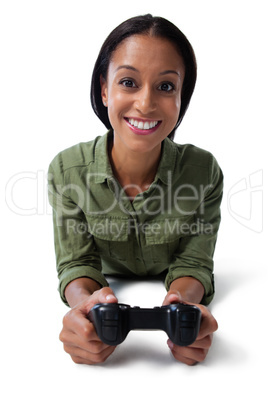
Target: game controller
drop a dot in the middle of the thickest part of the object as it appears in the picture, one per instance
(113, 321)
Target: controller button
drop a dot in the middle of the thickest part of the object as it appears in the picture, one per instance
(190, 316)
(186, 334)
(110, 323)
(110, 315)
(109, 333)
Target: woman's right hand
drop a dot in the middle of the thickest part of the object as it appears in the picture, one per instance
(78, 333)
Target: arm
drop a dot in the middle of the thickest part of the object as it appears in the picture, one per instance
(190, 277)
(194, 256)
(79, 272)
(79, 290)
(76, 255)
(189, 288)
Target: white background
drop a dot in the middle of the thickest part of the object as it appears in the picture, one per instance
(47, 52)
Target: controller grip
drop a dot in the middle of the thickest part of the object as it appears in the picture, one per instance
(110, 321)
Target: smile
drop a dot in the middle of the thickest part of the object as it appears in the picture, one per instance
(143, 125)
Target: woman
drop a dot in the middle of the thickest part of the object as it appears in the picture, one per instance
(133, 202)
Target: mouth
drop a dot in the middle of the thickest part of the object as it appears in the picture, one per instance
(143, 126)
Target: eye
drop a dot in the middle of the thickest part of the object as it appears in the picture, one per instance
(128, 83)
(167, 87)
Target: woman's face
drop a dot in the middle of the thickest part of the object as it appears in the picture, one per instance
(143, 92)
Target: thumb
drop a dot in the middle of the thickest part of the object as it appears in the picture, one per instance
(173, 296)
(104, 295)
(107, 295)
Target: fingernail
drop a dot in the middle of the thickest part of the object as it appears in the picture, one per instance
(109, 297)
(170, 344)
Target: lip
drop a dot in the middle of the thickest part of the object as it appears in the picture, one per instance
(139, 131)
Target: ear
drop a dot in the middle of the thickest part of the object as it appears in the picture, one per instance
(104, 90)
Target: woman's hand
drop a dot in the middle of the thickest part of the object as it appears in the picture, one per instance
(196, 352)
(78, 333)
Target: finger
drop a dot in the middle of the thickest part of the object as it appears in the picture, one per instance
(74, 340)
(188, 355)
(104, 295)
(203, 343)
(172, 296)
(82, 356)
(185, 360)
(79, 334)
(75, 322)
(208, 323)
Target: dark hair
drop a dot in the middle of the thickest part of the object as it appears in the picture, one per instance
(155, 26)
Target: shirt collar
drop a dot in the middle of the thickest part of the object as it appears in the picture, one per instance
(104, 169)
(167, 161)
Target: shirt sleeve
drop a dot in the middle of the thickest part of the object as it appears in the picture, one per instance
(194, 256)
(75, 251)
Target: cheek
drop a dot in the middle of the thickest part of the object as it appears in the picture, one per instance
(173, 110)
(117, 103)
(177, 103)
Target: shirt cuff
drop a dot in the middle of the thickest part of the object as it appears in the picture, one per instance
(207, 280)
(80, 272)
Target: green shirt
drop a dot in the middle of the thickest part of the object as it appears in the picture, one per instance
(172, 226)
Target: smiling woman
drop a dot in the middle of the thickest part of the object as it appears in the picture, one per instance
(142, 200)
(143, 86)
(144, 25)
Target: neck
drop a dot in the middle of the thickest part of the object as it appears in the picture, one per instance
(134, 171)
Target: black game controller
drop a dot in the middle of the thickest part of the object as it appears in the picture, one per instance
(113, 321)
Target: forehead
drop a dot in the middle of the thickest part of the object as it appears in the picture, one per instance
(145, 51)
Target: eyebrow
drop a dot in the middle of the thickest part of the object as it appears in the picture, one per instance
(128, 67)
(170, 72)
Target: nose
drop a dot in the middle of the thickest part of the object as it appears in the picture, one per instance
(145, 101)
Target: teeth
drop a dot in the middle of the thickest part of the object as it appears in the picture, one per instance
(146, 125)
(143, 126)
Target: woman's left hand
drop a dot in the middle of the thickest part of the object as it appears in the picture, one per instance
(196, 352)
